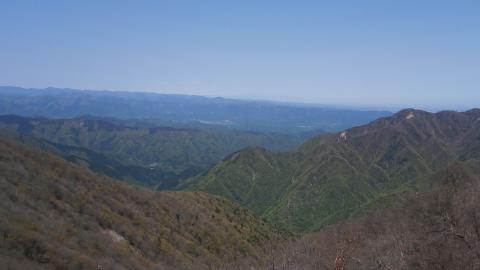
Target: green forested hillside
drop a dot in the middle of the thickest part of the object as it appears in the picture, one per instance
(155, 156)
(331, 177)
(98, 162)
(56, 215)
(437, 228)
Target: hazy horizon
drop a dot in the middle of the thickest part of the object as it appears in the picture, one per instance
(373, 54)
(392, 108)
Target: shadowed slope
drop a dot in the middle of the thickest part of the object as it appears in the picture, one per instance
(100, 163)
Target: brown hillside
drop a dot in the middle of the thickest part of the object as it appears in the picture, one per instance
(59, 216)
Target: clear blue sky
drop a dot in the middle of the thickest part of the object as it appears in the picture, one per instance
(370, 53)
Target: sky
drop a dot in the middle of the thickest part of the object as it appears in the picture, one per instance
(420, 53)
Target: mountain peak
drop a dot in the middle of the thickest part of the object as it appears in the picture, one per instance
(408, 114)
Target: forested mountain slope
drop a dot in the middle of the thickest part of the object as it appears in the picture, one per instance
(98, 162)
(333, 176)
(434, 229)
(56, 215)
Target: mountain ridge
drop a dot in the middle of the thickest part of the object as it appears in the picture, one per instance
(329, 176)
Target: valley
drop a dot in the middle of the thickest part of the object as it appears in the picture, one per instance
(156, 157)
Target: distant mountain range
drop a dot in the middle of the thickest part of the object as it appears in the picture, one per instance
(334, 176)
(171, 110)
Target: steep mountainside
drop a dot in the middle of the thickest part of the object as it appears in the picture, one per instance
(436, 229)
(331, 177)
(169, 153)
(56, 215)
(263, 116)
